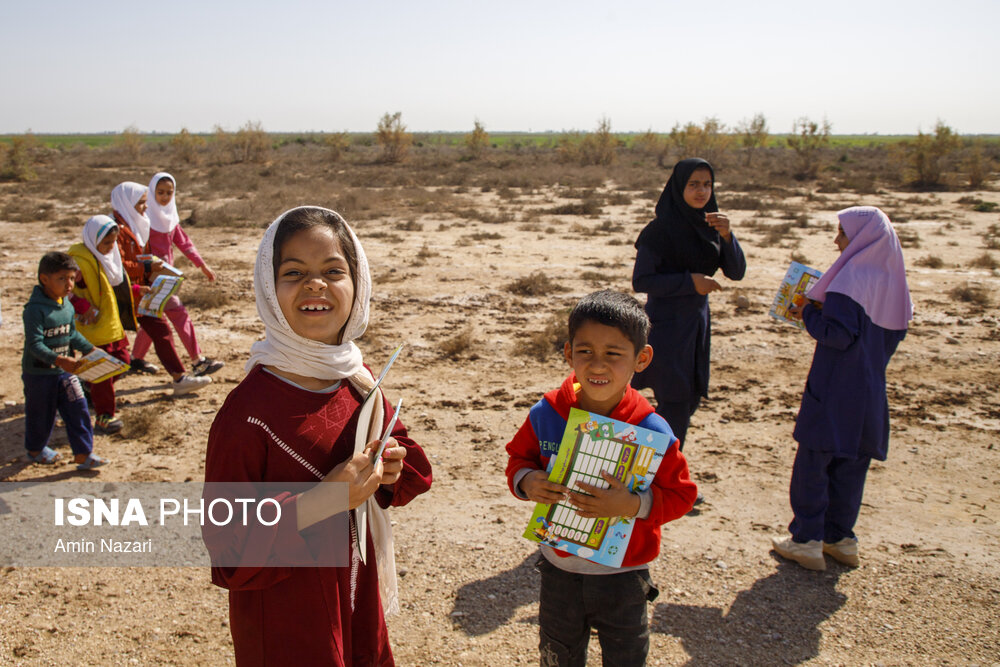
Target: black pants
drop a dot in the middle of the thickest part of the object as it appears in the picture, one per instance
(678, 416)
(613, 604)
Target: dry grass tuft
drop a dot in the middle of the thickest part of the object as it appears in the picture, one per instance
(546, 342)
(140, 423)
(457, 345)
(985, 261)
(971, 294)
(535, 284)
(205, 297)
(930, 262)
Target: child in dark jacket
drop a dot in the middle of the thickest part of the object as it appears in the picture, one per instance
(47, 366)
(860, 312)
(607, 345)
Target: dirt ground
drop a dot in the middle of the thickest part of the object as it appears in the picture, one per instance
(928, 590)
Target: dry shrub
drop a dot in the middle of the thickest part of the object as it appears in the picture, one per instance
(477, 141)
(18, 158)
(130, 142)
(535, 284)
(250, 143)
(619, 199)
(235, 214)
(708, 140)
(930, 262)
(392, 138)
(984, 261)
(337, 144)
(187, 146)
(744, 203)
(452, 348)
(205, 297)
(908, 238)
(991, 238)
(808, 138)
(927, 156)
(753, 134)
(140, 423)
(545, 342)
(799, 257)
(971, 294)
(585, 207)
(594, 277)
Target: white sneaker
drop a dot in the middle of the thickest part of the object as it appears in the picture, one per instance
(845, 551)
(807, 554)
(189, 383)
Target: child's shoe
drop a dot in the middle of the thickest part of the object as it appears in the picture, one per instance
(807, 554)
(845, 551)
(188, 383)
(107, 424)
(46, 456)
(206, 366)
(92, 461)
(142, 366)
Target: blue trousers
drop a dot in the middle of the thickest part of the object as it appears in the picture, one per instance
(44, 395)
(826, 495)
(678, 416)
(613, 604)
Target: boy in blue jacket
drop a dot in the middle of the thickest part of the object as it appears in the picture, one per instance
(48, 363)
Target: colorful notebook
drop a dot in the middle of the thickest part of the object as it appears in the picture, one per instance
(798, 280)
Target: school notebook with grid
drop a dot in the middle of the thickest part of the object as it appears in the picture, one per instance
(592, 443)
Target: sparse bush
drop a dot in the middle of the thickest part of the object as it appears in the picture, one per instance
(708, 141)
(984, 261)
(971, 294)
(928, 154)
(452, 348)
(585, 207)
(337, 144)
(477, 141)
(985, 207)
(930, 262)
(187, 145)
(977, 165)
(799, 257)
(534, 284)
(807, 140)
(908, 238)
(141, 423)
(206, 297)
(744, 203)
(250, 143)
(753, 135)
(991, 239)
(18, 158)
(392, 138)
(546, 342)
(598, 147)
(130, 142)
(649, 143)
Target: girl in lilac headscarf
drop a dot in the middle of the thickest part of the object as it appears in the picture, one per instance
(858, 313)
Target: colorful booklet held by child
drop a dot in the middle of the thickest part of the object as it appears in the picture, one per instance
(798, 280)
(166, 266)
(154, 301)
(97, 366)
(592, 443)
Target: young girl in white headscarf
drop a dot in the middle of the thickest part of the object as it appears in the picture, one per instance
(128, 204)
(165, 232)
(299, 416)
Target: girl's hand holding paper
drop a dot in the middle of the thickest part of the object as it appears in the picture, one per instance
(392, 461)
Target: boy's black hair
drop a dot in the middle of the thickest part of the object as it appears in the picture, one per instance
(56, 261)
(613, 309)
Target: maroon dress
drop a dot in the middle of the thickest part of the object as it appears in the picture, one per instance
(271, 431)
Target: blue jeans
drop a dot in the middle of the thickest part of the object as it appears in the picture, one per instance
(44, 395)
(613, 604)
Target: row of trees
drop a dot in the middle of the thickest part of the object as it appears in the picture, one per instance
(924, 160)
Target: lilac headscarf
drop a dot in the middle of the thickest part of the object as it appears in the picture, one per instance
(870, 270)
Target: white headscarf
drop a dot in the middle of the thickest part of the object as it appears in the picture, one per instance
(286, 350)
(124, 197)
(94, 230)
(162, 218)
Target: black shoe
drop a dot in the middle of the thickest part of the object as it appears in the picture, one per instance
(206, 366)
(143, 366)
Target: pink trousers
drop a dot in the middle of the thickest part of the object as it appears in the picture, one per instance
(178, 316)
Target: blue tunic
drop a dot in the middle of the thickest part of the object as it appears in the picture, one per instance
(844, 408)
(682, 328)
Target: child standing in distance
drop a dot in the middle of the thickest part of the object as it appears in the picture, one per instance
(295, 418)
(128, 203)
(607, 345)
(861, 314)
(104, 305)
(165, 232)
(47, 364)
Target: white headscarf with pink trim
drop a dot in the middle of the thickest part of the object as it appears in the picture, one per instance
(870, 270)
(162, 218)
(124, 197)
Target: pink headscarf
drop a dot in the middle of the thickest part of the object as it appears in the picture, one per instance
(870, 270)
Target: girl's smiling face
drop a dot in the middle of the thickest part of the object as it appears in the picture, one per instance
(140, 206)
(698, 190)
(108, 242)
(313, 285)
(164, 191)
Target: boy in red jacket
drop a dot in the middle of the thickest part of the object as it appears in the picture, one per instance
(607, 344)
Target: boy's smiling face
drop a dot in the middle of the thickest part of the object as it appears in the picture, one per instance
(604, 360)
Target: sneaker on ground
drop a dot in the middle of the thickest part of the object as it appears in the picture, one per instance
(107, 424)
(807, 554)
(206, 366)
(143, 366)
(189, 383)
(845, 551)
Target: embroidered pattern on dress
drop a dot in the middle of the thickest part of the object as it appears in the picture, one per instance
(288, 450)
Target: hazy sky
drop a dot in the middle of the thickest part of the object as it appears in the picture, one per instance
(889, 67)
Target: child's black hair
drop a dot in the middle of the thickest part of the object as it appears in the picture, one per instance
(163, 178)
(613, 309)
(56, 261)
(307, 218)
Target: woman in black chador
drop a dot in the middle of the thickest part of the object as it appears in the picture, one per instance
(678, 253)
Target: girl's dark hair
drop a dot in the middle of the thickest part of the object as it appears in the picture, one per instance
(613, 309)
(56, 261)
(165, 178)
(307, 218)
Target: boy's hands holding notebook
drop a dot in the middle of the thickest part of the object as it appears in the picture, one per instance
(592, 502)
(539, 489)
